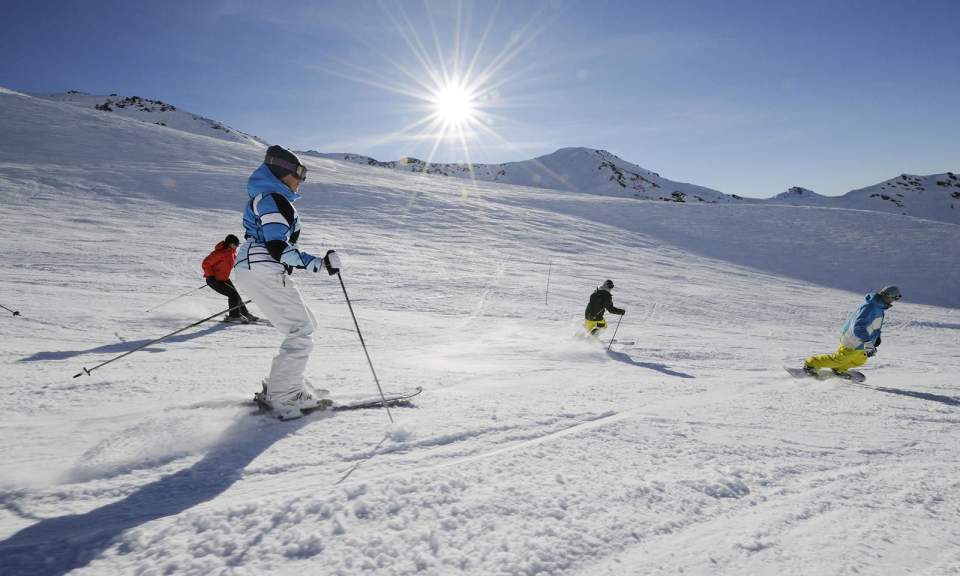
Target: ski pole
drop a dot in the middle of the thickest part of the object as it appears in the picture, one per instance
(88, 371)
(614, 333)
(14, 312)
(174, 298)
(362, 343)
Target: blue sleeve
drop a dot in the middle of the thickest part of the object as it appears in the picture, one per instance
(864, 318)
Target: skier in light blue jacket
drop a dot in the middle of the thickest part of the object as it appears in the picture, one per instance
(264, 264)
(859, 336)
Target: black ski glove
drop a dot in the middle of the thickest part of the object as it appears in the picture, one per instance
(331, 262)
(877, 343)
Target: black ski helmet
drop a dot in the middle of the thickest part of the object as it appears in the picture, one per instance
(281, 162)
(231, 239)
(607, 285)
(891, 292)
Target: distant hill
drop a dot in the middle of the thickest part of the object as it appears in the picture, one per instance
(575, 169)
(934, 197)
(800, 196)
(153, 112)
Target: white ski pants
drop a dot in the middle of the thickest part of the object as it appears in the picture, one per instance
(277, 296)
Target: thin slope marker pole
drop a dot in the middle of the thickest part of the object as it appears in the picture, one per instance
(127, 353)
(546, 296)
(364, 345)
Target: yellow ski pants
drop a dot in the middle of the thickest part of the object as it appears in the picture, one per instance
(595, 326)
(841, 360)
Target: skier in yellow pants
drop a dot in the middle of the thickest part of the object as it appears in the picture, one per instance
(859, 337)
(600, 300)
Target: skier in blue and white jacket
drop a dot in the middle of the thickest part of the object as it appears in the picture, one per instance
(859, 336)
(264, 264)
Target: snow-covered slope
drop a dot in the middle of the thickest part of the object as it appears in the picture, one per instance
(153, 112)
(572, 169)
(685, 449)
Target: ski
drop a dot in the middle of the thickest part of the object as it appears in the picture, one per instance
(392, 399)
(258, 321)
(852, 375)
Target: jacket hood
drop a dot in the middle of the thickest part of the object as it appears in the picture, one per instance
(221, 246)
(262, 181)
(876, 300)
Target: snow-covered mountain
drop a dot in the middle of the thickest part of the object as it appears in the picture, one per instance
(153, 112)
(573, 169)
(934, 197)
(800, 196)
(684, 449)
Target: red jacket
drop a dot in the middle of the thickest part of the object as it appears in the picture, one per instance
(220, 262)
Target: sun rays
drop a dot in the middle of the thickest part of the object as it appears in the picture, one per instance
(452, 83)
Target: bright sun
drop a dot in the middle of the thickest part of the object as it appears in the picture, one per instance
(454, 105)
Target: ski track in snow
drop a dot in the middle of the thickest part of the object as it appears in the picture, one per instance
(530, 451)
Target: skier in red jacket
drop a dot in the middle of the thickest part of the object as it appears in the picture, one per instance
(216, 269)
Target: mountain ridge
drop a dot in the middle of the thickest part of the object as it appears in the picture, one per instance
(152, 112)
(595, 171)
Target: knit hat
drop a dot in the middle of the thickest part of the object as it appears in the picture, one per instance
(281, 162)
(607, 285)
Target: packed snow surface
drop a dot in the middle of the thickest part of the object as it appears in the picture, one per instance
(686, 448)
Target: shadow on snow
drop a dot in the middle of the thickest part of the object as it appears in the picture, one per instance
(662, 368)
(948, 400)
(55, 546)
(120, 347)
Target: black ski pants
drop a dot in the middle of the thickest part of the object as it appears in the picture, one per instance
(226, 288)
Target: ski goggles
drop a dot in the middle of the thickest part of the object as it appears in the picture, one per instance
(298, 170)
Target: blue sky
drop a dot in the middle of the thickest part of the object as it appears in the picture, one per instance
(748, 97)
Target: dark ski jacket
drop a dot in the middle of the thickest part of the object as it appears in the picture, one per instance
(600, 300)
